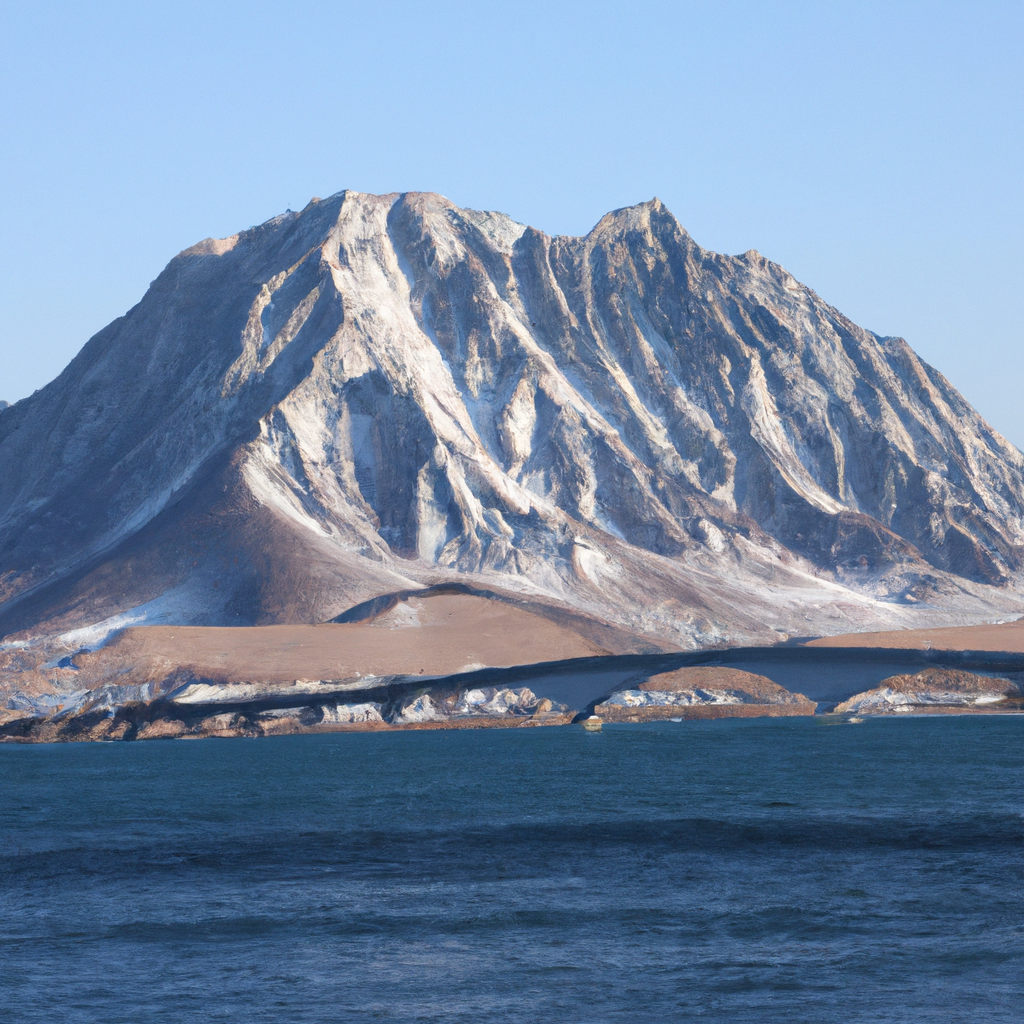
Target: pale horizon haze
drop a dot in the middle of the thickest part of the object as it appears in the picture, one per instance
(874, 150)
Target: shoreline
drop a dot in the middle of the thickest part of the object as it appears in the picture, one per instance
(249, 730)
(781, 681)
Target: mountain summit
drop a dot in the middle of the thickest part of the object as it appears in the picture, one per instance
(385, 392)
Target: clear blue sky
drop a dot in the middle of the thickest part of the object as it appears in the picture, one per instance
(874, 149)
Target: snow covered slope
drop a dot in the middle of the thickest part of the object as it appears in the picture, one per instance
(385, 391)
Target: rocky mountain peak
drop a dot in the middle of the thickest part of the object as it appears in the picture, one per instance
(378, 392)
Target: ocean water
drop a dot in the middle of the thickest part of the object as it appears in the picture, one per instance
(758, 870)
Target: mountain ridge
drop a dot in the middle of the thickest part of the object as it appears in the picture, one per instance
(383, 392)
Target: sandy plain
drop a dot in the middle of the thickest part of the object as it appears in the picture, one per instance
(1003, 636)
(437, 635)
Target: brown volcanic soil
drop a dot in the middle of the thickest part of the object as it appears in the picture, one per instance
(436, 635)
(1006, 636)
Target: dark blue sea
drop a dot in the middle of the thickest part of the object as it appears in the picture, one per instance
(758, 870)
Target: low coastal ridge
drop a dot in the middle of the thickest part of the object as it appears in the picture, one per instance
(452, 657)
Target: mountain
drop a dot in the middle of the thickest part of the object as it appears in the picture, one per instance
(384, 392)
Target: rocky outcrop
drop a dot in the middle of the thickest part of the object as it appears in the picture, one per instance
(937, 689)
(177, 717)
(701, 692)
(484, 702)
(384, 392)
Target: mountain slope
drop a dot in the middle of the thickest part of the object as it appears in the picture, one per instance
(382, 392)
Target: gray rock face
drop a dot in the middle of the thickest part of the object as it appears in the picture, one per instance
(382, 391)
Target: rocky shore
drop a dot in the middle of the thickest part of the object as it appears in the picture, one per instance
(487, 707)
(938, 690)
(176, 682)
(701, 692)
(198, 708)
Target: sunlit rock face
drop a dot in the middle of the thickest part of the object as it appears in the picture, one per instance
(936, 689)
(381, 391)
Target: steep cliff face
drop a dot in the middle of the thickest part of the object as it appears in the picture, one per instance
(382, 391)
